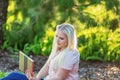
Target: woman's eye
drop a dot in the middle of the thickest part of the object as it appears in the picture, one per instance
(62, 38)
(56, 36)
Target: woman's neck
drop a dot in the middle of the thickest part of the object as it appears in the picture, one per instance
(61, 49)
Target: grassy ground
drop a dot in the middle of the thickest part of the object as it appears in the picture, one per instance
(2, 74)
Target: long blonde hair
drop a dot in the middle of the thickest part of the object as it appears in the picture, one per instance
(69, 31)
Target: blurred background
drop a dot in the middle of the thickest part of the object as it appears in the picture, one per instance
(29, 25)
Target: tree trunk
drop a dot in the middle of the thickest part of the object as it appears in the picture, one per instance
(3, 15)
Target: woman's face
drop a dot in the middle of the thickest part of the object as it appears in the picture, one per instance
(61, 39)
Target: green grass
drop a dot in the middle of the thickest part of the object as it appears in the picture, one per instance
(2, 74)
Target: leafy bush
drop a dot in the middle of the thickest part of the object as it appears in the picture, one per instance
(40, 45)
(99, 44)
(114, 46)
(30, 23)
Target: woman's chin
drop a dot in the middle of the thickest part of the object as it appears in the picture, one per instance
(58, 47)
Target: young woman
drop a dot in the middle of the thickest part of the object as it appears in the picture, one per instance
(63, 62)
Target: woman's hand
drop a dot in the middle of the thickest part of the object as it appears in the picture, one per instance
(30, 75)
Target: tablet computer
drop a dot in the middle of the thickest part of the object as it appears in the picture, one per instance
(25, 62)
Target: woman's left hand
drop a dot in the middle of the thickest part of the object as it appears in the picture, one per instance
(30, 75)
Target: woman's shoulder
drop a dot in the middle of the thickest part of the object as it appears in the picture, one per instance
(74, 52)
(73, 55)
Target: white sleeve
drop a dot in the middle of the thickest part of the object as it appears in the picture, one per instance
(70, 59)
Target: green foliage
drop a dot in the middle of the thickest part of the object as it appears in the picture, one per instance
(31, 24)
(17, 38)
(99, 44)
(39, 46)
(2, 74)
(35, 47)
(114, 45)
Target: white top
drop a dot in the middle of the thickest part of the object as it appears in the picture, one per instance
(67, 59)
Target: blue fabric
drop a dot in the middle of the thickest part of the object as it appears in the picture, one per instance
(15, 76)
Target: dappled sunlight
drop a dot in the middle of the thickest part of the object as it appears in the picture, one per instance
(94, 22)
(7, 27)
(114, 68)
(57, 16)
(94, 41)
(11, 6)
(20, 17)
(79, 26)
(50, 33)
(44, 48)
(98, 12)
(10, 19)
(111, 15)
(45, 41)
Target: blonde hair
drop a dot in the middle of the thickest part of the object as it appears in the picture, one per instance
(69, 31)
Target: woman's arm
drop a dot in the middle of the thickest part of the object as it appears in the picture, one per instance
(61, 74)
(44, 71)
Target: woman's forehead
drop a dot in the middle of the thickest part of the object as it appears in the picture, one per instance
(60, 33)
